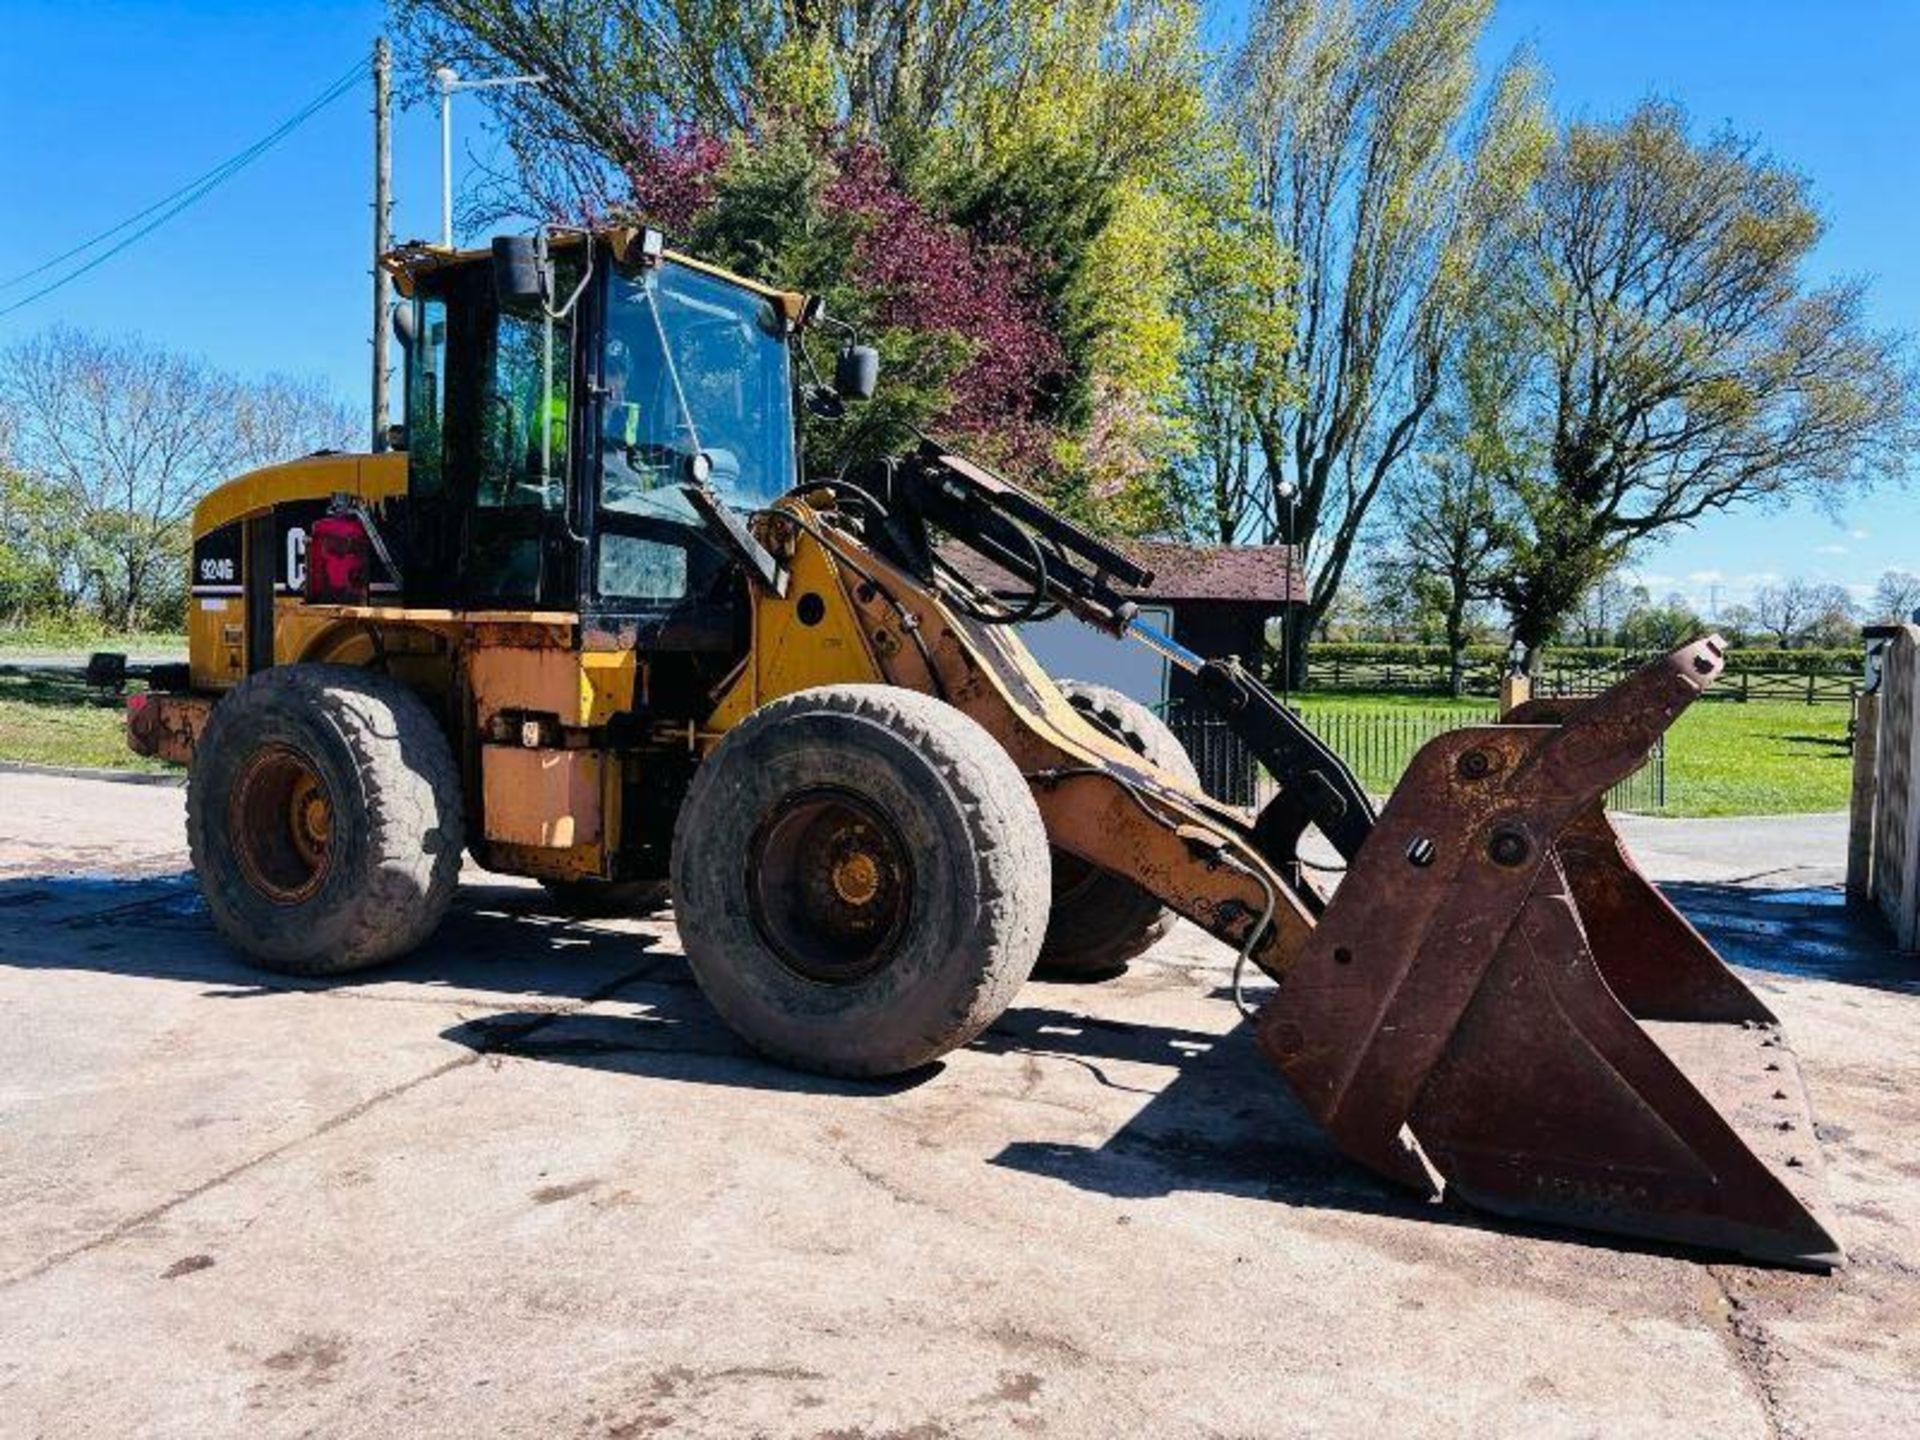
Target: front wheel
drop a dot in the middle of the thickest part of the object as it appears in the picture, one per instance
(860, 879)
(324, 818)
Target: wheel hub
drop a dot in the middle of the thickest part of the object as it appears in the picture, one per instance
(829, 882)
(856, 878)
(312, 819)
(280, 815)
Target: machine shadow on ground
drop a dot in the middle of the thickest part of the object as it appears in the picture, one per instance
(1223, 1123)
(496, 938)
(663, 1028)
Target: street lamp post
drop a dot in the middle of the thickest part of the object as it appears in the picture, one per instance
(1288, 492)
(449, 81)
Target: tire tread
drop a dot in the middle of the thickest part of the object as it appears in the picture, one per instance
(411, 786)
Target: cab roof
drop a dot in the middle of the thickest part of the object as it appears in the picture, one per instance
(408, 263)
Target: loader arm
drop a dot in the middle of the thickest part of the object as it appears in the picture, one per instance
(1100, 800)
(1444, 1015)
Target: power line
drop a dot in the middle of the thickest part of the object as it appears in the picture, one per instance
(186, 196)
(215, 176)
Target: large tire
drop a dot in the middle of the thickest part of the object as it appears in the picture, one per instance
(1100, 920)
(859, 879)
(324, 819)
(596, 899)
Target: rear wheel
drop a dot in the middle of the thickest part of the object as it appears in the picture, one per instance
(324, 818)
(1101, 920)
(596, 899)
(859, 879)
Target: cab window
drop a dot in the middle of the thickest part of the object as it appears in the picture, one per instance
(526, 416)
(692, 366)
(426, 399)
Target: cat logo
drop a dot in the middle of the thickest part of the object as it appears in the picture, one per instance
(296, 558)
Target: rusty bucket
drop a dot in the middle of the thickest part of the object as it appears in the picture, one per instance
(1499, 1006)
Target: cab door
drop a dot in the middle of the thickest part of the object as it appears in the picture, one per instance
(486, 504)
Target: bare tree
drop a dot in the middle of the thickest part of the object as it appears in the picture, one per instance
(130, 436)
(1451, 537)
(1739, 625)
(1452, 507)
(282, 416)
(1390, 188)
(1836, 620)
(1896, 598)
(1602, 609)
(1792, 611)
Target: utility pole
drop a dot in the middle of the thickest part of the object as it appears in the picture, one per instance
(382, 237)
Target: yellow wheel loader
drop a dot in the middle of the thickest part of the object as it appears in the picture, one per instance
(592, 621)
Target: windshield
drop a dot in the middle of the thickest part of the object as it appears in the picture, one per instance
(693, 364)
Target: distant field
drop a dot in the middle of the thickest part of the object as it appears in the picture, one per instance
(50, 720)
(1763, 758)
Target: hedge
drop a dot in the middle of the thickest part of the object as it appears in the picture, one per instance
(1752, 661)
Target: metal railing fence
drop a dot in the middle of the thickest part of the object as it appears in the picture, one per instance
(1378, 744)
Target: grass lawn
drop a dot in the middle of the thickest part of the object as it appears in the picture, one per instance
(82, 640)
(1770, 757)
(53, 719)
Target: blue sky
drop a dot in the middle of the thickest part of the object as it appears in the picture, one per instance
(106, 107)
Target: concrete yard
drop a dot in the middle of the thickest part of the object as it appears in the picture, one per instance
(525, 1183)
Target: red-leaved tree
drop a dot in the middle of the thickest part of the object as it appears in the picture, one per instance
(961, 317)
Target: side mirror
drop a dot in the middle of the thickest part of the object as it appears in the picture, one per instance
(856, 373)
(519, 270)
(403, 323)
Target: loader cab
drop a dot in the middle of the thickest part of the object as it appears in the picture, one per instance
(549, 436)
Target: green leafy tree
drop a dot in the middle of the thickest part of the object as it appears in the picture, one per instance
(1098, 152)
(1234, 367)
(41, 548)
(1649, 626)
(1070, 143)
(1678, 362)
(1740, 626)
(1389, 176)
(621, 74)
